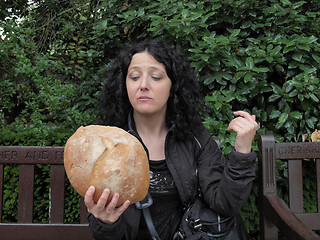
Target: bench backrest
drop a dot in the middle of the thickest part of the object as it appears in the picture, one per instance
(26, 158)
(273, 210)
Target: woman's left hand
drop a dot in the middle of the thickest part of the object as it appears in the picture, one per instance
(245, 126)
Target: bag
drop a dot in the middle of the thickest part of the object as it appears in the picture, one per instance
(200, 222)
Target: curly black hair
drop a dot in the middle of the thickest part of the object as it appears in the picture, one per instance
(184, 101)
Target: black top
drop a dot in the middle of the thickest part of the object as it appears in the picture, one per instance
(165, 211)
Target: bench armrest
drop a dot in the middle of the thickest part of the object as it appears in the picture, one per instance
(278, 212)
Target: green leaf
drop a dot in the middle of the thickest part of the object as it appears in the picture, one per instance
(314, 97)
(286, 2)
(239, 75)
(301, 97)
(260, 70)
(249, 62)
(222, 40)
(208, 80)
(274, 97)
(310, 123)
(217, 76)
(241, 98)
(195, 50)
(298, 4)
(296, 115)
(248, 77)
(236, 62)
(218, 105)
(210, 99)
(254, 40)
(308, 69)
(279, 68)
(274, 114)
(293, 93)
(275, 51)
(307, 40)
(235, 33)
(278, 90)
(297, 57)
(304, 47)
(204, 57)
(227, 98)
(184, 13)
(226, 76)
(316, 57)
(283, 118)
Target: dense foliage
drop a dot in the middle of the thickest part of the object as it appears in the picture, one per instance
(261, 56)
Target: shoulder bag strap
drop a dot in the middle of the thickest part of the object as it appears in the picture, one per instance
(149, 222)
(144, 206)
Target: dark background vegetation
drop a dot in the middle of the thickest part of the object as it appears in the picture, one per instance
(261, 56)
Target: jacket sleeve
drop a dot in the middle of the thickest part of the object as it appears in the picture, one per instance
(226, 185)
(103, 231)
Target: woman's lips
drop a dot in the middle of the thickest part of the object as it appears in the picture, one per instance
(144, 98)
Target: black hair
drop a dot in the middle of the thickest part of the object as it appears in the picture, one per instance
(184, 100)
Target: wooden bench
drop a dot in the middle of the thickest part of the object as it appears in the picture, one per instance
(275, 215)
(27, 158)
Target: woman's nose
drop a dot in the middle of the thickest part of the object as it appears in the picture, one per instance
(144, 84)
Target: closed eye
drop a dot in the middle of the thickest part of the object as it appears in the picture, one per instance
(156, 78)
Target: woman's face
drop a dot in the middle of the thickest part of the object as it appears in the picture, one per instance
(148, 85)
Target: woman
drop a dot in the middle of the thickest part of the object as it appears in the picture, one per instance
(152, 92)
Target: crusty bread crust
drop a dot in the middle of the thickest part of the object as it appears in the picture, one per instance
(107, 157)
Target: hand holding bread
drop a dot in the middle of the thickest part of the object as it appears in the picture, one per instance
(104, 210)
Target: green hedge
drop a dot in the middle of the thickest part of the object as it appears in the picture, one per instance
(261, 56)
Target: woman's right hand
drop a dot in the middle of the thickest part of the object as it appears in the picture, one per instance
(106, 213)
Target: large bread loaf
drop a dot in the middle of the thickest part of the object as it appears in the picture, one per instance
(107, 157)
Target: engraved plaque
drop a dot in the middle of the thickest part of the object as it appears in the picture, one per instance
(31, 155)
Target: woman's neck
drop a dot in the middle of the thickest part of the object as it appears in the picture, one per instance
(153, 125)
(153, 131)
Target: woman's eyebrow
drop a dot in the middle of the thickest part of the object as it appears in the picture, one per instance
(134, 67)
(154, 68)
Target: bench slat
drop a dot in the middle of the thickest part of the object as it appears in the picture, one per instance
(25, 198)
(57, 176)
(31, 155)
(312, 220)
(45, 231)
(296, 150)
(83, 212)
(318, 183)
(1, 190)
(295, 185)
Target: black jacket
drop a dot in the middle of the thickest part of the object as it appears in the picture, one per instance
(225, 185)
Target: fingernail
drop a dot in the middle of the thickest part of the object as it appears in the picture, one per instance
(92, 188)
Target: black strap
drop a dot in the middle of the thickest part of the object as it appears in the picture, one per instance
(144, 205)
(149, 222)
